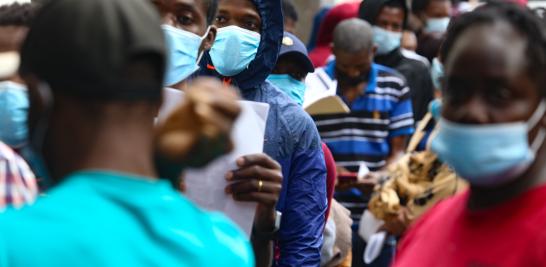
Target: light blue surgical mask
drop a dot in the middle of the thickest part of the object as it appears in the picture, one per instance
(292, 87)
(435, 108)
(13, 114)
(437, 25)
(386, 41)
(183, 54)
(233, 50)
(489, 155)
(437, 73)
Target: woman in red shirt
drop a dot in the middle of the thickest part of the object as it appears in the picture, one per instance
(492, 133)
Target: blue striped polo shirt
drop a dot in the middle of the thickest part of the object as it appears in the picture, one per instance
(382, 111)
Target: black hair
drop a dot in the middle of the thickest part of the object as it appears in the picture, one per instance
(289, 10)
(419, 6)
(212, 8)
(522, 19)
(16, 14)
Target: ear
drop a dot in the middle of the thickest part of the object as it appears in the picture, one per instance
(373, 51)
(208, 41)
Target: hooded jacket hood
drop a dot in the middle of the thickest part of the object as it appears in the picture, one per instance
(271, 36)
(369, 10)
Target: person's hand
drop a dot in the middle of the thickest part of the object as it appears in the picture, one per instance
(366, 185)
(258, 179)
(398, 225)
(198, 131)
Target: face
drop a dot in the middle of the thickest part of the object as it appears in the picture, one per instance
(354, 64)
(291, 66)
(391, 19)
(241, 13)
(188, 15)
(487, 80)
(438, 9)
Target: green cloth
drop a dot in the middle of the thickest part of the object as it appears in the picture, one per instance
(98, 218)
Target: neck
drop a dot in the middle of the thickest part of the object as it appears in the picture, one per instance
(484, 198)
(121, 143)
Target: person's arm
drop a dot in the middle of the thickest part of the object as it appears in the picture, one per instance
(398, 147)
(401, 126)
(303, 208)
(258, 179)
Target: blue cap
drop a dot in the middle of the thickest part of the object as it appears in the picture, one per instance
(291, 45)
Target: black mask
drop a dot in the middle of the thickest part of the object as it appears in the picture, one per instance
(346, 80)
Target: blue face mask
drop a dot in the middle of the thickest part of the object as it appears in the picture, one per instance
(292, 87)
(13, 114)
(437, 25)
(183, 52)
(233, 50)
(435, 108)
(386, 41)
(437, 73)
(489, 155)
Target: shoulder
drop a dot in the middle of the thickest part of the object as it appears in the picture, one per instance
(415, 58)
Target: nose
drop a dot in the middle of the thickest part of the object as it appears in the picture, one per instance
(473, 111)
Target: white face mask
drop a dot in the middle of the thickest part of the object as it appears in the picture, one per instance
(183, 53)
(437, 24)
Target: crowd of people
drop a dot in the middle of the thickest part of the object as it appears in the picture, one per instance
(405, 133)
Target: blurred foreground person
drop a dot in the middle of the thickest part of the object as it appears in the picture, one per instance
(92, 113)
(492, 134)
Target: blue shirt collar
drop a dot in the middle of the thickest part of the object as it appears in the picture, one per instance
(372, 76)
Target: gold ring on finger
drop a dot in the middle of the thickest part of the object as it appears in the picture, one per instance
(260, 185)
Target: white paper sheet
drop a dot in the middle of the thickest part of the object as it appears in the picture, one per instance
(205, 187)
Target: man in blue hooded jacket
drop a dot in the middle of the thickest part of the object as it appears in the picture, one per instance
(244, 54)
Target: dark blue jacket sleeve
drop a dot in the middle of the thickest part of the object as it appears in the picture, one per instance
(303, 207)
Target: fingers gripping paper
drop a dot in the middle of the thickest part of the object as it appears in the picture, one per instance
(205, 187)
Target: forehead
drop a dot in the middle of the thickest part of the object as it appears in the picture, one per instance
(388, 11)
(483, 50)
(11, 37)
(351, 59)
(242, 4)
(200, 6)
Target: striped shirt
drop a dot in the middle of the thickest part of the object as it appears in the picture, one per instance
(17, 182)
(381, 112)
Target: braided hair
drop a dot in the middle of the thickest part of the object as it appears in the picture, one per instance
(522, 19)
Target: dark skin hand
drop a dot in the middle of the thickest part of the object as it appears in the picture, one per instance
(488, 82)
(258, 179)
(245, 186)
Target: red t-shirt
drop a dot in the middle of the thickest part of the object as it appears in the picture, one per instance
(510, 234)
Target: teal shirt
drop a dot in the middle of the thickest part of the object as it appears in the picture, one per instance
(108, 219)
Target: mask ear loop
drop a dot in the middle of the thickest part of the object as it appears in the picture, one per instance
(533, 121)
(200, 56)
